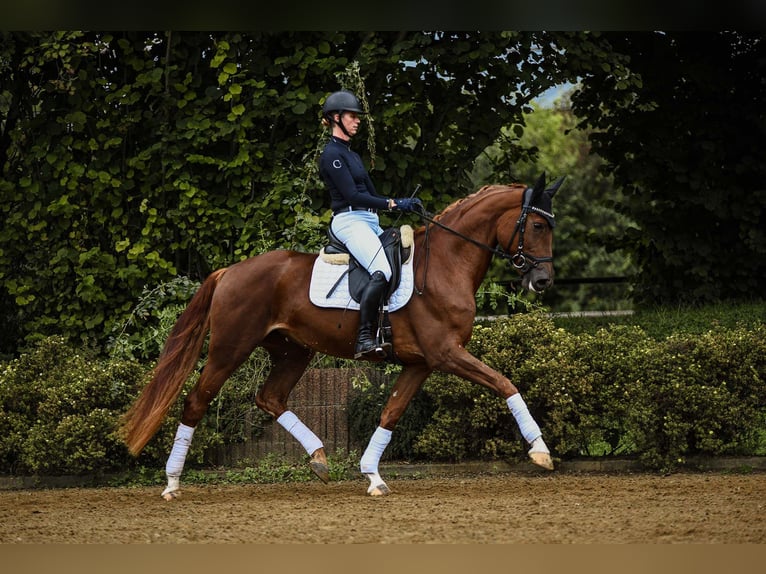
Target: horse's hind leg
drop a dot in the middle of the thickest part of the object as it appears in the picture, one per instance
(408, 383)
(217, 370)
(288, 363)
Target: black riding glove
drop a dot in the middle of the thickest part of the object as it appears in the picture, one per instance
(408, 204)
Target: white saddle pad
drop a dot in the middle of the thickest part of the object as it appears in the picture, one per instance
(325, 275)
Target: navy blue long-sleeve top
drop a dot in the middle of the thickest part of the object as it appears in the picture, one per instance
(344, 174)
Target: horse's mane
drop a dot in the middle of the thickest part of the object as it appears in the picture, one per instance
(482, 191)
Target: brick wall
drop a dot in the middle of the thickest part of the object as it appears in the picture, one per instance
(320, 400)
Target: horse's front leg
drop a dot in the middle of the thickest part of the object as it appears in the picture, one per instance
(408, 383)
(461, 363)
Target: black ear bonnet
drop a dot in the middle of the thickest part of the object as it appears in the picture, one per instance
(540, 199)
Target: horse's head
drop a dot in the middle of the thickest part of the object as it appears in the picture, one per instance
(532, 255)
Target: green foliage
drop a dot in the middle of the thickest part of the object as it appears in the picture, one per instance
(685, 153)
(698, 395)
(147, 327)
(132, 158)
(662, 322)
(274, 468)
(605, 390)
(493, 298)
(589, 222)
(58, 407)
(469, 421)
(129, 158)
(271, 468)
(610, 391)
(580, 391)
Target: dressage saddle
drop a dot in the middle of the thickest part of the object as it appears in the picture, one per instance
(397, 252)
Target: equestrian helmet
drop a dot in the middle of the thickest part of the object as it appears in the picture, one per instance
(342, 101)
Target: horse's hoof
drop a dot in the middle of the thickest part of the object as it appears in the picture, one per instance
(379, 490)
(171, 495)
(377, 486)
(320, 470)
(318, 464)
(542, 459)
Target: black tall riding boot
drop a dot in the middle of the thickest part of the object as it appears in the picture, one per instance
(368, 316)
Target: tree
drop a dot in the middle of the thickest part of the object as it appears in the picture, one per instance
(588, 223)
(684, 138)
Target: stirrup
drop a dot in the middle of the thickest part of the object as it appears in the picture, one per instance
(378, 346)
(375, 350)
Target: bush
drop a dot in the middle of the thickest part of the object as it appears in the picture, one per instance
(470, 421)
(58, 407)
(579, 390)
(661, 322)
(613, 391)
(698, 395)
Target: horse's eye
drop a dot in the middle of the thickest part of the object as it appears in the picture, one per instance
(538, 225)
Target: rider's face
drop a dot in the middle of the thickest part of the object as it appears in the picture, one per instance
(350, 121)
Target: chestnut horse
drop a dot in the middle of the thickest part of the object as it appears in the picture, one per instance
(263, 301)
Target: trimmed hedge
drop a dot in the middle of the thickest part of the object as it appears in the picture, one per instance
(60, 407)
(614, 392)
(611, 391)
(57, 410)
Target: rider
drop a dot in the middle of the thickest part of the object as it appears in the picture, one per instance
(355, 205)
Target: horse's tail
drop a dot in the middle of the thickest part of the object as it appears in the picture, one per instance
(176, 362)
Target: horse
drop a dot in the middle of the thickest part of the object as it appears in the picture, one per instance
(263, 301)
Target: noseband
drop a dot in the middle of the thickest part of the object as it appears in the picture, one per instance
(523, 262)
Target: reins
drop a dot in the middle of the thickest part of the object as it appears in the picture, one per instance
(519, 260)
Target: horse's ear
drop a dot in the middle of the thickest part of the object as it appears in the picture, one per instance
(551, 191)
(538, 189)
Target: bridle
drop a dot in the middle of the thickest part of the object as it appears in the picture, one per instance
(521, 261)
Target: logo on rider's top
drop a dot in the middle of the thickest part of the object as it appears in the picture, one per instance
(336, 164)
